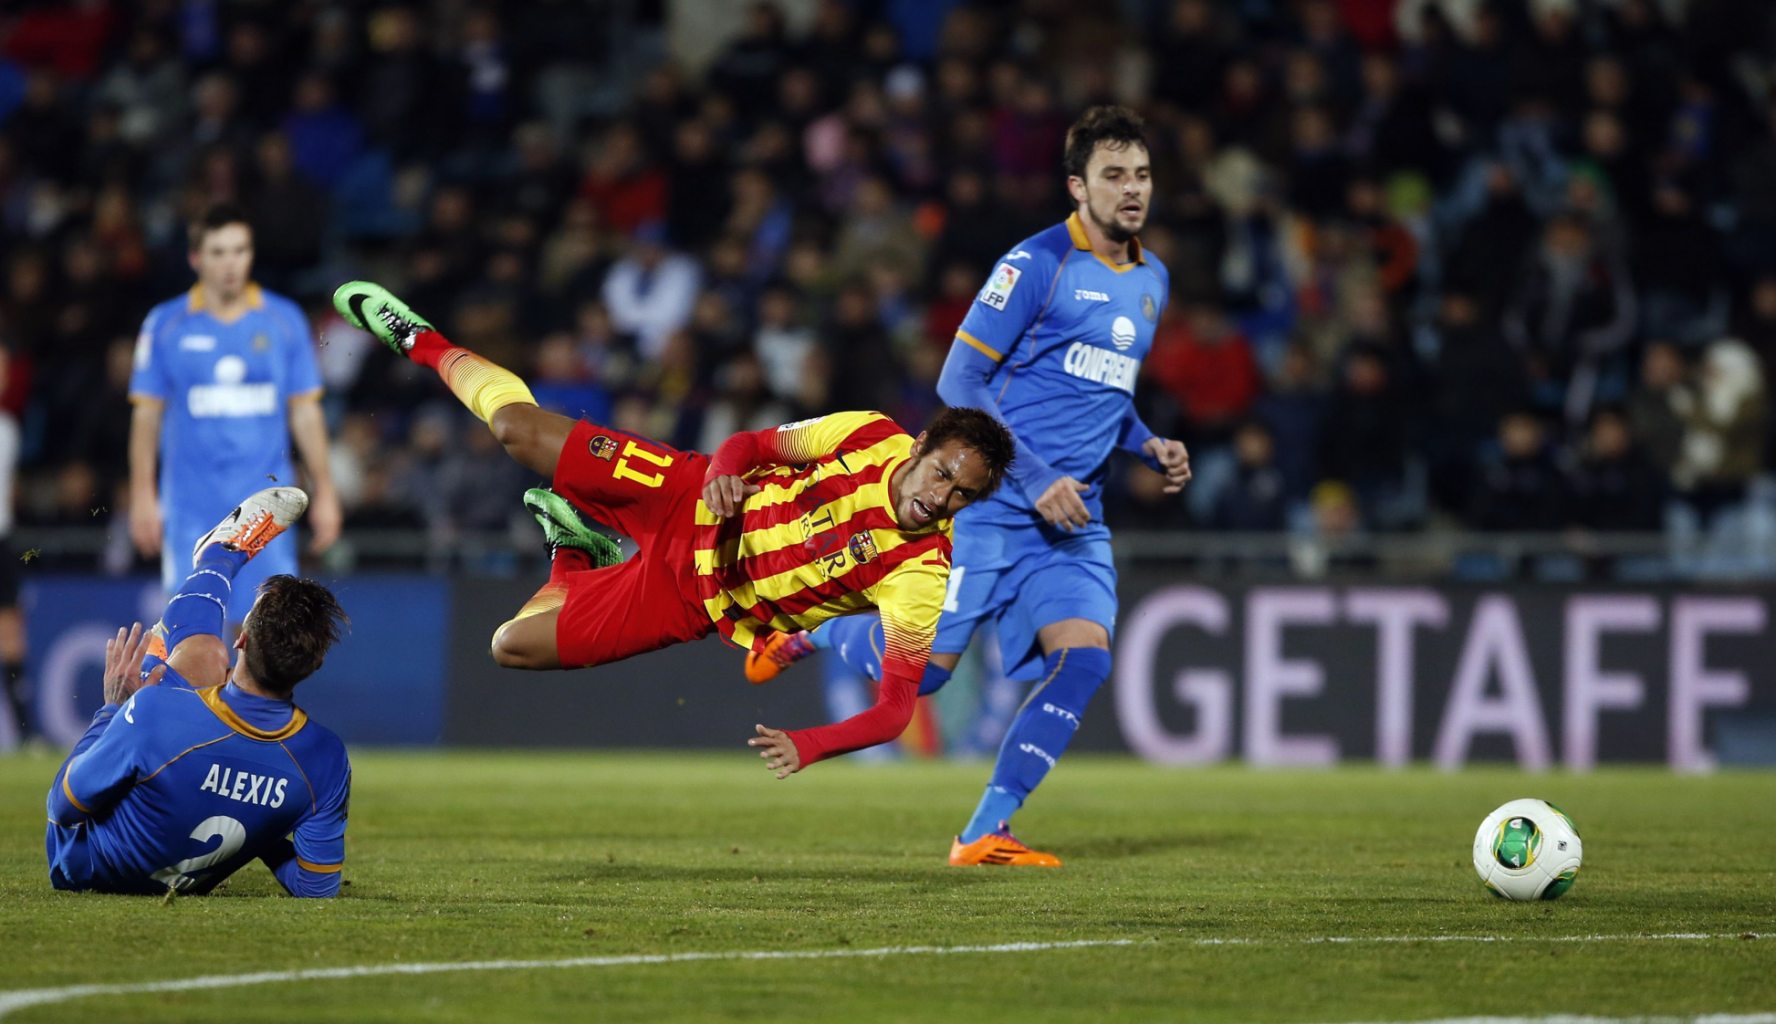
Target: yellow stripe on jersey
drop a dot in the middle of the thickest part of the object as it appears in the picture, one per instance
(985, 349)
(804, 538)
(806, 440)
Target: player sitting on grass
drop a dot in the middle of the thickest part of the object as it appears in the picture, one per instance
(189, 772)
(779, 530)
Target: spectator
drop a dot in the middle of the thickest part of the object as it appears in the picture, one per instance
(783, 341)
(1573, 310)
(1255, 500)
(1519, 487)
(1724, 429)
(1475, 378)
(324, 136)
(651, 291)
(290, 213)
(1205, 365)
(1611, 487)
(1364, 439)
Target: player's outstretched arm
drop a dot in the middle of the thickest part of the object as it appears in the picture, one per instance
(114, 750)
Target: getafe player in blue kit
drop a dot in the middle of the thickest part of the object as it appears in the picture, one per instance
(225, 379)
(189, 772)
(1052, 345)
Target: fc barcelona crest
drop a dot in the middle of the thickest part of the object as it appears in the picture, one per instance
(1148, 308)
(602, 447)
(863, 547)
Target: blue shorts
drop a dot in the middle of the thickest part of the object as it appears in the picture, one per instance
(1022, 578)
(175, 564)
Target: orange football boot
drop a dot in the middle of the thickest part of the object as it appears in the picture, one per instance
(999, 848)
(778, 652)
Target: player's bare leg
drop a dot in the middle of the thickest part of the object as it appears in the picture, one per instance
(492, 392)
(527, 640)
(532, 436)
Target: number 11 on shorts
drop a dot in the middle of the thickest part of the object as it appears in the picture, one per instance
(631, 450)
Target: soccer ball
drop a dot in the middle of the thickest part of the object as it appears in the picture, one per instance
(1528, 849)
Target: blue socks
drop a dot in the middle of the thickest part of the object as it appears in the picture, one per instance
(856, 639)
(1040, 734)
(200, 606)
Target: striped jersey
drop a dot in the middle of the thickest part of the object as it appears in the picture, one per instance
(820, 539)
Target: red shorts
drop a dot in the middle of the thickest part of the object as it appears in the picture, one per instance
(647, 492)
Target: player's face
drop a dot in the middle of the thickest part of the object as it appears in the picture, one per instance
(1117, 188)
(224, 260)
(938, 483)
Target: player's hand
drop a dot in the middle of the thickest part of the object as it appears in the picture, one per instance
(123, 664)
(1173, 459)
(144, 524)
(1062, 505)
(726, 495)
(778, 751)
(324, 519)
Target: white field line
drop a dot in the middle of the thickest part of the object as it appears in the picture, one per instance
(19, 999)
(1568, 1018)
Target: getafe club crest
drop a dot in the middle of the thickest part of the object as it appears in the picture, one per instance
(602, 447)
(863, 547)
(1149, 309)
(261, 342)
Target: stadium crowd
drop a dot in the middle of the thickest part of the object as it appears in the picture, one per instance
(1498, 265)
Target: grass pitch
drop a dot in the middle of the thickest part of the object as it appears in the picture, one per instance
(1225, 882)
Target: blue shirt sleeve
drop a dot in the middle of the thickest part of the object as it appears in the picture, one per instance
(97, 777)
(302, 374)
(965, 381)
(319, 844)
(1015, 294)
(149, 374)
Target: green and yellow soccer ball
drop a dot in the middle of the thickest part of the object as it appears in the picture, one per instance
(1528, 849)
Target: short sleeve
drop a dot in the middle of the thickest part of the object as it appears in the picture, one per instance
(149, 373)
(302, 373)
(1014, 296)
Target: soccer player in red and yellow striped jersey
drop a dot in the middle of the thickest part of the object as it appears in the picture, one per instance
(779, 530)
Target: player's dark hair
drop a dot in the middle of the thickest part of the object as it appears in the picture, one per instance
(1115, 127)
(977, 430)
(289, 630)
(214, 217)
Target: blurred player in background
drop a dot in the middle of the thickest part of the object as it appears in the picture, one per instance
(225, 379)
(191, 771)
(780, 529)
(1052, 346)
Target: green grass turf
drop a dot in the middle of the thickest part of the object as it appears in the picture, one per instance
(472, 856)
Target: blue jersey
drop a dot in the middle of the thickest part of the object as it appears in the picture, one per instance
(1068, 330)
(227, 389)
(179, 788)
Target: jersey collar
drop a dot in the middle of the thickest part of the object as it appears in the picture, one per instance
(195, 303)
(1076, 229)
(212, 698)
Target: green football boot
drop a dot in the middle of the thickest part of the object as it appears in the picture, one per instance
(563, 528)
(369, 306)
